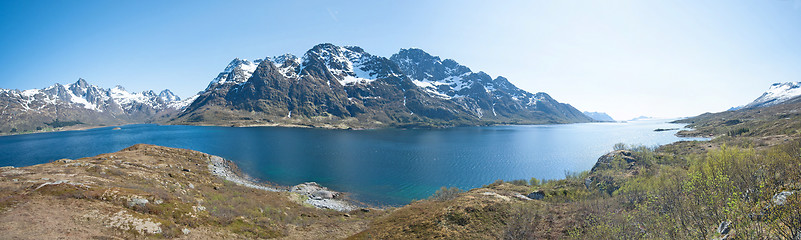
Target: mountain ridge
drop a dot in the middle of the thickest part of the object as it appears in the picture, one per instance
(346, 87)
(82, 103)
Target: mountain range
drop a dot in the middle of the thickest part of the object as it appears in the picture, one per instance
(346, 87)
(81, 103)
(329, 86)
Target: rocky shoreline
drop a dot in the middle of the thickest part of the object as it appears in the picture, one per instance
(313, 193)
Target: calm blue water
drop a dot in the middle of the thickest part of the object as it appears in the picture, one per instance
(386, 167)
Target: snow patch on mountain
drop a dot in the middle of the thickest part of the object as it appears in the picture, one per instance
(180, 104)
(347, 64)
(288, 64)
(237, 71)
(83, 95)
(777, 93)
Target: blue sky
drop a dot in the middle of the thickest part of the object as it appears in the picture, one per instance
(627, 58)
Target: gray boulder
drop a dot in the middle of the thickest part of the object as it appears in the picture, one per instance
(536, 195)
(781, 198)
(137, 201)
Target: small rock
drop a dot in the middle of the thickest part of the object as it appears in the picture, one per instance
(522, 197)
(186, 170)
(723, 228)
(324, 194)
(588, 182)
(347, 215)
(185, 231)
(781, 198)
(192, 186)
(158, 201)
(365, 210)
(137, 201)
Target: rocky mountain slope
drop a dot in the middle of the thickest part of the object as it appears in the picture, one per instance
(346, 87)
(599, 116)
(81, 103)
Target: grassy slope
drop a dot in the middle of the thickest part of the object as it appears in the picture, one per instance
(95, 202)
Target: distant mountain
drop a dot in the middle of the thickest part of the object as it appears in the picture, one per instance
(599, 116)
(81, 103)
(777, 93)
(748, 121)
(640, 118)
(346, 87)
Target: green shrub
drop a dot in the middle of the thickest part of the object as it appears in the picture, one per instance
(519, 182)
(444, 194)
(534, 182)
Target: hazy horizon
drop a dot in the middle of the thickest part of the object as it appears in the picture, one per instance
(628, 59)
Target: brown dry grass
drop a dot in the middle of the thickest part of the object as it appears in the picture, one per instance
(181, 194)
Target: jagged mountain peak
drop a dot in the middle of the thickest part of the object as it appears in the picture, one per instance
(350, 64)
(169, 96)
(422, 66)
(81, 83)
(237, 71)
(283, 58)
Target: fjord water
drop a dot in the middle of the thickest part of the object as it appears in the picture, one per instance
(382, 167)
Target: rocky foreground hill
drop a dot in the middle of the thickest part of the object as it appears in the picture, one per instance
(346, 87)
(148, 191)
(152, 191)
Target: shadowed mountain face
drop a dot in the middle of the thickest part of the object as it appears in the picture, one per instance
(81, 103)
(346, 87)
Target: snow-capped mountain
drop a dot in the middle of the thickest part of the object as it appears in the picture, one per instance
(348, 87)
(348, 65)
(82, 94)
(82, 102)
(447, 78)
(777, 93)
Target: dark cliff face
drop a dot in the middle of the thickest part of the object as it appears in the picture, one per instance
(348, 87)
